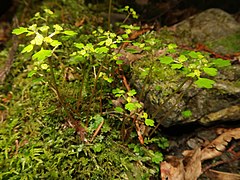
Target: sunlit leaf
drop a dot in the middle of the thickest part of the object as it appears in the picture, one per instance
(57, 27)
(55, 43)
(210, 71)
(28, 48)
(176, 66)
(44, 66)
(42, 54)
(131, 92)
(69, 33)
(221, 63)
(102, 50)
(79, 45)
(182, 58)
(166, 59)
(149, 122)
(204, 83)
(38, 39)
(130, 106)
(20, 30)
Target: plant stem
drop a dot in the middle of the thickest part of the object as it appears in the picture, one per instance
(109, 14)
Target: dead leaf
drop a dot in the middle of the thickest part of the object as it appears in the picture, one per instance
(218, 145)
(172, 169)
(218, 175)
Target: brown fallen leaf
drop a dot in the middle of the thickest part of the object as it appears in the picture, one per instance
(172, 169)
(218, 175)
(218, 145)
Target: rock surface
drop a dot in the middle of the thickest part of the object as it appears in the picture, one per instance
(213, 27)
(221, 103)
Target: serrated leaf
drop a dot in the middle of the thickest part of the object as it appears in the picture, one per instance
(20, 30)
(42, 54)
(210, 71)
(222, 63)
(166, 59)
(28, 48)
(131, 92)
(130, 106)
(69, 33)
(204, 83)
(149, 122)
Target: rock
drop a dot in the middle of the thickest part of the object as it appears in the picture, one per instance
(213, 27)
(206, 106)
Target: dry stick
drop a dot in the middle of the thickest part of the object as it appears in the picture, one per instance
(97, 131)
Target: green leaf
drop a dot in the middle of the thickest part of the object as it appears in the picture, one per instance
(69, 33)
(38, 39)
(102, 50)
(57, 27)
(108, 42)
(182, 58)
(42, 54)
(149, 122)
(44, 66)
(55, 43)
(118, 92)
(221, 63)
(20, 30)
(204, 83)
(118, 109)
(28, 48)
(31, 73)
(131, 92)
(79, 45)
(48, 11)
(176, 66)
(187, 113)
(210, 71)
(97, 147)
(193, 54)
(157, 158)
(44, 28)
(119, 61)
(166, 59)
(130, 106)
